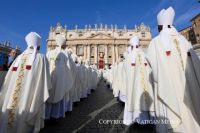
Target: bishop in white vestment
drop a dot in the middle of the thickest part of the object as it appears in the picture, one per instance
(139, 93)
(75, 91)
(62, 78)
(25, 90)
(176, 75)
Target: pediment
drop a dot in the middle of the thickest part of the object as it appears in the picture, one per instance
(100, 36)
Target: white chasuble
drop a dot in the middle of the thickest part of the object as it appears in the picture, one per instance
(62, 76)
(139, 103)
(24, 93)
(175, 100)
(139, 90)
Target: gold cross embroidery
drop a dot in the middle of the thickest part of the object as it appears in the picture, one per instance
(16, 93)
(142, 73)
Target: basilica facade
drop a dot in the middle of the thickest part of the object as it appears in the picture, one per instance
(99, 44)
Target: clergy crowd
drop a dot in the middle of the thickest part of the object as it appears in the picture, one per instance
(40, 87)
(162, 85)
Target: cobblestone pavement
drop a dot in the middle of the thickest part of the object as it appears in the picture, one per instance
(89, 113)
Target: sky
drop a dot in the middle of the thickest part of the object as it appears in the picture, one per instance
(19, 17)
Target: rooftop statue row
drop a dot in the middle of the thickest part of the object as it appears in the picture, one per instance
(141, 27)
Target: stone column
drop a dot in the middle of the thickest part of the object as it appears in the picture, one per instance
(95, 54)
(113, 54)
(88, 52)
(85, 52)
(116, 53)
(74, 49)
(106, 54)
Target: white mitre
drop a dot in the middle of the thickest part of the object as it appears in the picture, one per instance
(80, 60)
(134, 41)
(169, 15)
(160, 17)
(70, 51)
(60, 40)
(33, 40)
(129, 49)
(165, 18)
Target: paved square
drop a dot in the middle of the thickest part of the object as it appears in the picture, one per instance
(95, 114)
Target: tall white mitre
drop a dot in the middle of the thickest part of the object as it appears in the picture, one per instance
(134, 41)
(33, 40)
(129, 49)
(169, 16)
(160, 17)
(166, 18)
(80, 60)
(70, 52)
(60, 40)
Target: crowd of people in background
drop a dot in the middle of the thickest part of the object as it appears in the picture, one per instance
(6, 61)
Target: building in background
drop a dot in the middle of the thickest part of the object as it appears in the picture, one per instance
(100, 45)
(5, 49)
(196, 26)
(189, 34)
(192, 33)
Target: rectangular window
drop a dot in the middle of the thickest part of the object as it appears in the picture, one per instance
(80, 51)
